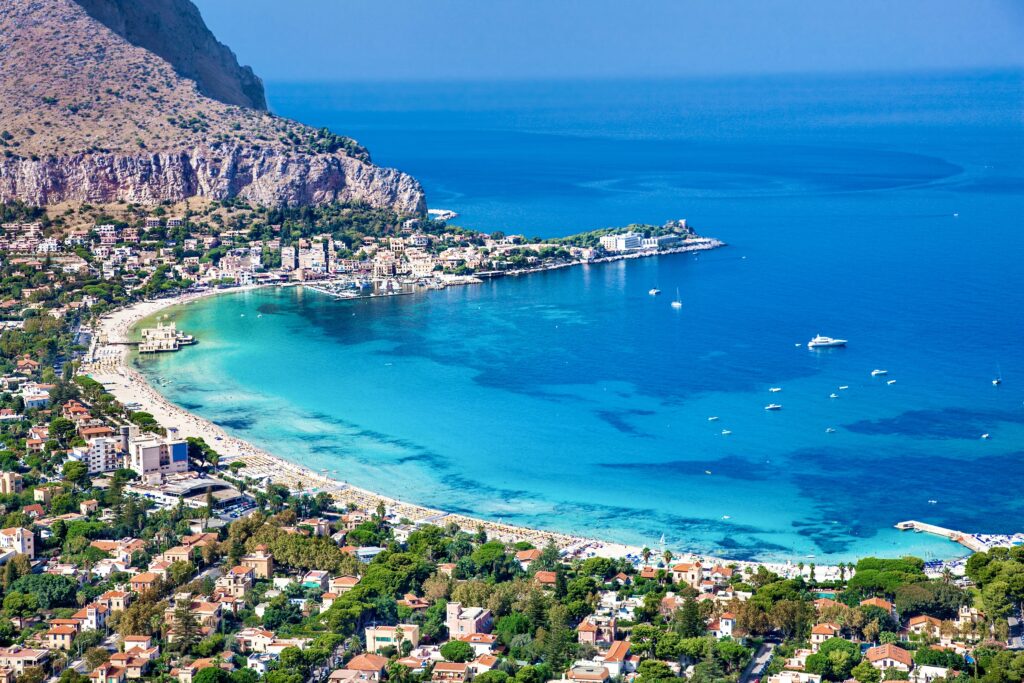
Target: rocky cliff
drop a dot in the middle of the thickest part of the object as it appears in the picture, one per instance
(86, 115)
(175, 31)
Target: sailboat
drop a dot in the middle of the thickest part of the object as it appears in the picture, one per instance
(677, 302)
(999, 377)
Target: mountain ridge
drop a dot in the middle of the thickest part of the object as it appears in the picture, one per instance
(87, 116)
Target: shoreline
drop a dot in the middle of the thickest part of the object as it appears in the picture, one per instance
(110, 365)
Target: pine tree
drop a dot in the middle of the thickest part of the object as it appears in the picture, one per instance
(186, 628)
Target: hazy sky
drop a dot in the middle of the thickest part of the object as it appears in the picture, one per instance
(503, 39)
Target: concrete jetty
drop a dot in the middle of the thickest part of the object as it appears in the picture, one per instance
(963, 538)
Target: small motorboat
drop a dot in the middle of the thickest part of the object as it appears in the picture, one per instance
(775, 390)
(986, 436)
(707, 471)
(713, 418)
(844, 387)
(654, 291)
(726, 432)
(878, 373)
(833, 395)
(773, 406)
(830, 430)
(892, 381)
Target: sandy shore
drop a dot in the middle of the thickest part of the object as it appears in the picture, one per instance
(107, 362)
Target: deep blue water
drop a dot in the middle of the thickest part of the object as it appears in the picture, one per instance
(885, 210)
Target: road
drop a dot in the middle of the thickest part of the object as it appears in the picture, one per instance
(759, 662)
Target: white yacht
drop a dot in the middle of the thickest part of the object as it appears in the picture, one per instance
(677, 302)
(892, 381)
(879, 373)
(775, 390)
(822, 342)
(773, 406)
(830, 430)
(654, 291)
(986, 436)
(726, 432)
(833, 395)
(844, 387)
(713, 418)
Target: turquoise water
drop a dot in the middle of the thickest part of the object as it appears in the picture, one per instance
(886, 211)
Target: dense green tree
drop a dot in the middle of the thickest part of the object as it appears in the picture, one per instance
(457, 651)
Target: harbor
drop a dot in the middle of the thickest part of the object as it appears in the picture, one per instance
(977, 543)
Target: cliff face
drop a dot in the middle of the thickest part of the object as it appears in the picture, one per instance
(175, 31)
(85, 115)
(262, 177)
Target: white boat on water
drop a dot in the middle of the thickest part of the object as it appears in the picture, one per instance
(726, 432)
(986, 436)
(844, 387)
(775, 390)
(892, 381)
(879, 373)
(713, 418)
(773, 406)
(654, 291)
(830, 430)
(833, 395)
(677, 302)
(823, 342)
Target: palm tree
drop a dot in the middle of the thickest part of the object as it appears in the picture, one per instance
(668, 558)
(646, 555)
(800, 568)
(842, 571)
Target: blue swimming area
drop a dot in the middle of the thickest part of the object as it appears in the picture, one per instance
(885, 210)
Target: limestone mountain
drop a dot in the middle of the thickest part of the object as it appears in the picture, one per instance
(175, 31)
(89, 115)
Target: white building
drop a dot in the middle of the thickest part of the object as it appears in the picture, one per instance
(152, 455)
(629, 241)
(19, 540)
(102, 454)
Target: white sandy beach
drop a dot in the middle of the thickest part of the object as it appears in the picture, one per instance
(107, 363)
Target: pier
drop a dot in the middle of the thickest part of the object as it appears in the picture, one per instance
(164, 337)
(964, 539)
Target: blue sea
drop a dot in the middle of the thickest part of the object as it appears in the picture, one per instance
(886, 210)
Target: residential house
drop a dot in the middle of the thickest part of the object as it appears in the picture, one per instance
(482, 643)
(463, 621)
(260, 561)
(10, 483)
(526, 557)
(18, 539)
(822, 632)
(17, 658)
(236, 582)
(451, 672)
(140, 583)
(588, 673)
(597, 630)
(925, 625)
(371, 667)
(380, 637)
(889, 656)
